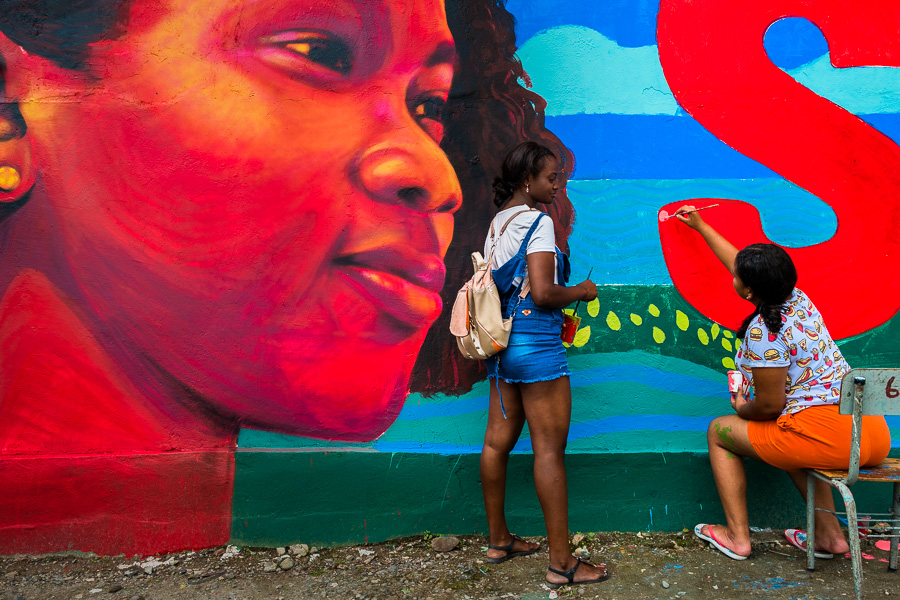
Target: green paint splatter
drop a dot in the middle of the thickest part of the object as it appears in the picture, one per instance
(715, 330)
(702, 336)
(653, 310)
(722, 434)
(613, 321)
(727, 344)
(636, 319)
(593, 307)
(682, 321)
(658, 336)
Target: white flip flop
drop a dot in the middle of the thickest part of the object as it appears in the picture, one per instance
(711, 538)
(797, 539)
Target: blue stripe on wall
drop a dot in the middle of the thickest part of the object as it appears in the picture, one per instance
(662, 147)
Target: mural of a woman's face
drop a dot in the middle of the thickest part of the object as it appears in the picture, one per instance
(252, 203)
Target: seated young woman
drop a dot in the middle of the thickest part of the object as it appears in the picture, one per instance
(787, 406)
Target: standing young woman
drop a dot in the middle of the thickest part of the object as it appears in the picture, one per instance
(787, 413)
(530, 379)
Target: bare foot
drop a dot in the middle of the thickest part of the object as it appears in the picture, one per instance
(723, 535)
(585, 572)
(833, 545)
(518, 546)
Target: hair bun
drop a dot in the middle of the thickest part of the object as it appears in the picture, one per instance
(503, 191)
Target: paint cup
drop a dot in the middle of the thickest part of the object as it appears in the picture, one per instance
(569, 327)
(735, 379)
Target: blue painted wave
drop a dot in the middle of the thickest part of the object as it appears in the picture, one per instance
(617, 228)
(609, 146)
(655, 379)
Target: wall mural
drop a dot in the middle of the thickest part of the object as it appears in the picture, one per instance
(239, 224)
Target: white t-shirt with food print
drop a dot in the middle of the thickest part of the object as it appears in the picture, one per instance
(815, 363)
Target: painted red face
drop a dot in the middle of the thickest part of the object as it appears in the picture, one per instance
(252, 200)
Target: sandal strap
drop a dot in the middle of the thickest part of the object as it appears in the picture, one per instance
(570, 574)
(508, 547)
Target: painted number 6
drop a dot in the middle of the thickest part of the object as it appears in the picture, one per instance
(714, 61)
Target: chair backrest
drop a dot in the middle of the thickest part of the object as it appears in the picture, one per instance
(867, 392)
(880, 391)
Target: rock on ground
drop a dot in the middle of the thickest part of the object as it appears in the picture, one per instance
(410, 568)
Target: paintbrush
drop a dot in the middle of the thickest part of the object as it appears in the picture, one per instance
(665, 216)
(575, 312)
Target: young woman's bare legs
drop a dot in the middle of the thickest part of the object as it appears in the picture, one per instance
(548, 410)
(728, 443)
(829, 537)
(499, 439)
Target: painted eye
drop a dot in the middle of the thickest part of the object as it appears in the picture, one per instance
(428, 111)
(323, 50)
(430, 108)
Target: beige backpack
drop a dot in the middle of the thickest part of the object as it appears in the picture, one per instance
(477, 318)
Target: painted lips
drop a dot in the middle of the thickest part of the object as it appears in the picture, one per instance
(401, 282)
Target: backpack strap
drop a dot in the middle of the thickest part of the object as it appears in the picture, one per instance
(524, 287)
(494, 242)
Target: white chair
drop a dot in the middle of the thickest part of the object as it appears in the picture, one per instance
(863, 392)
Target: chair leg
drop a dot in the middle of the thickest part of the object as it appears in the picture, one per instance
(810, 522)
(895, 527)
(853, 535)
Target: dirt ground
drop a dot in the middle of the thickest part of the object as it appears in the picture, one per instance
(649, 565)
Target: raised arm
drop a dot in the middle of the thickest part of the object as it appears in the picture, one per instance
(722, 248)
(547, 294)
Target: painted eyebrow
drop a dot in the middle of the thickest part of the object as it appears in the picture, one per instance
(443, 54)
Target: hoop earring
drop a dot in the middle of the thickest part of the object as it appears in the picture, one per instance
(9, 178)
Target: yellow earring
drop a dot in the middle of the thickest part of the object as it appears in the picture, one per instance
(9, 178)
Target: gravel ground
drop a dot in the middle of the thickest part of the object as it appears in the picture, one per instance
(643, 565)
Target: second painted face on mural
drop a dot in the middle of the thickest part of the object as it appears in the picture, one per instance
(251, 197)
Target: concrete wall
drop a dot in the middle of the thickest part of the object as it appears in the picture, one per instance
(234, 230)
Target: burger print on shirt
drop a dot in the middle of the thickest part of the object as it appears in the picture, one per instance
(815, 363)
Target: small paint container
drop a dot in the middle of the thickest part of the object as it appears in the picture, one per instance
(735, 379)
(569, 327)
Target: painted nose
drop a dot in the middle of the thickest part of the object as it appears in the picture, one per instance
(419, 179)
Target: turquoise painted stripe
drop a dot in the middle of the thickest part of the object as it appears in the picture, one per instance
(664, 381)
(610, 425)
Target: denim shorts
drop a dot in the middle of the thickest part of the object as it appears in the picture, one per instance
(535, 351)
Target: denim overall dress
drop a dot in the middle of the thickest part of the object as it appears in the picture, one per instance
(535, 351)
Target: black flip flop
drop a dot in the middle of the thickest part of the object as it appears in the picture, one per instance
(570, 575)
(508, 549)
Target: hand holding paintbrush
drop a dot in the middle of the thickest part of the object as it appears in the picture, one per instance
(684, 210)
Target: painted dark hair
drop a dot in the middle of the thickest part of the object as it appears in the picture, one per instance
(526, 159)
(489, 111)
(769, 271)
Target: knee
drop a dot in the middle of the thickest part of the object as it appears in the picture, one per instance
(494, 446)
(717, 433)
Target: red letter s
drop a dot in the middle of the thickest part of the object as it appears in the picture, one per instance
(714, 61)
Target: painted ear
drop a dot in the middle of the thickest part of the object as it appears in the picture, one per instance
(17, 170)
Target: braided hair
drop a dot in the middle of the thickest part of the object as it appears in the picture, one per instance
(769, 271)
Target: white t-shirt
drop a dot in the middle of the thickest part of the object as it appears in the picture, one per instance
(542, 240)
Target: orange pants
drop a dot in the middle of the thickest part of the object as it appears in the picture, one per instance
(818, 438)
